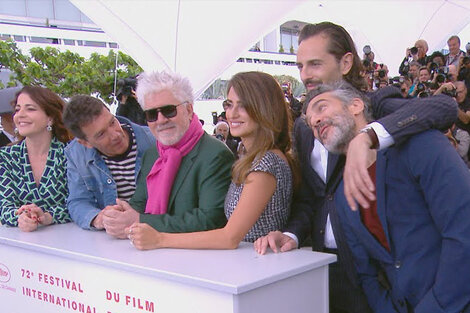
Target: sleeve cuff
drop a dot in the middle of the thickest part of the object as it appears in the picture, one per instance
(293, 237)
(385, 139)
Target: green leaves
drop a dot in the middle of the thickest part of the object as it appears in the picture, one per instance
(66, 73)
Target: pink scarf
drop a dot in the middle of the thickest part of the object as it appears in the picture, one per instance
(161, 177)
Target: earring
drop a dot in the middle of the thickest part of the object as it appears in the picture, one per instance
(16, 131)
(49, 128)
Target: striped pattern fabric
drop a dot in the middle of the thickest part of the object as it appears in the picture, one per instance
(17, 185)
(122, 167)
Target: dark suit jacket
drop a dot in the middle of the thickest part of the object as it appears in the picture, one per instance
(3, 139)
(426, 220)
(315, 200)
(197, 197)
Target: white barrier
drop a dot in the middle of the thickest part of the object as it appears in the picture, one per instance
(62, 268)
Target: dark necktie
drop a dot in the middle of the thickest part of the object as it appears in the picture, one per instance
(370, 218)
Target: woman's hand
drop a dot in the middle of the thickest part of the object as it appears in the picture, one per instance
(30, 216)
(144, 237)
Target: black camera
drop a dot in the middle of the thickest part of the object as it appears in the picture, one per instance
(396, 81)
(215, 120)
(442, 74)
(413, 50)
(125, 87)
(450, 92)
(420, 87)
(434, 67)
(220, 137)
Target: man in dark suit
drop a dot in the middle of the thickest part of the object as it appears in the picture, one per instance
(417, 231)
(7, 134)
(327, 54)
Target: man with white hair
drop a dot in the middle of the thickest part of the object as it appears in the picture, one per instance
(222, 132)
(184, 178)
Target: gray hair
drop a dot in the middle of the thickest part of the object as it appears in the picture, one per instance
(154, 82)
(221, 123)
(343, 91)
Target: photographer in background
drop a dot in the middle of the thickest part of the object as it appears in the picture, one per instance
(453, 58)
(436, 58)
(294, 104)
(422, 88)
(460, 131)
(369, 66)
(464, 71)
(222, 132)
(128, 106)
(403, 83)
(381, 76)
(416, 53)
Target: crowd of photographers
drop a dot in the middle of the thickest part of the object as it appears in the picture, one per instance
(423, 75)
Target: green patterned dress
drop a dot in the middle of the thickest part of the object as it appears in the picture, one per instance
(17, 185)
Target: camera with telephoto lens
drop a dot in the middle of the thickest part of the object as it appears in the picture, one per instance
(413, 50)
(125, 87)
(442, 74)
(396, 81)
(433, 67)
(422, 89)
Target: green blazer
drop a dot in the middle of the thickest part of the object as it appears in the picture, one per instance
(197, 198)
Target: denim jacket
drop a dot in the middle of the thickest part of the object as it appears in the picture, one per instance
(91, 185)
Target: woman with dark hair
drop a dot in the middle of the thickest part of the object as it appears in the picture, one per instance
(259, 197)
(33, 176)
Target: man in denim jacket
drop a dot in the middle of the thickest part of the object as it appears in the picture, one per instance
(103, 161)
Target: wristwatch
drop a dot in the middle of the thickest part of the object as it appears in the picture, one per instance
(372, 135)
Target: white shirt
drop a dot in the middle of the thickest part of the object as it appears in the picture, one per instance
(11, 137)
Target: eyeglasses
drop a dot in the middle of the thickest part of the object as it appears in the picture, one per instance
(167, 111)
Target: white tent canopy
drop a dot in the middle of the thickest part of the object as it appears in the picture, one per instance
(197, 38)
(201, 38)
